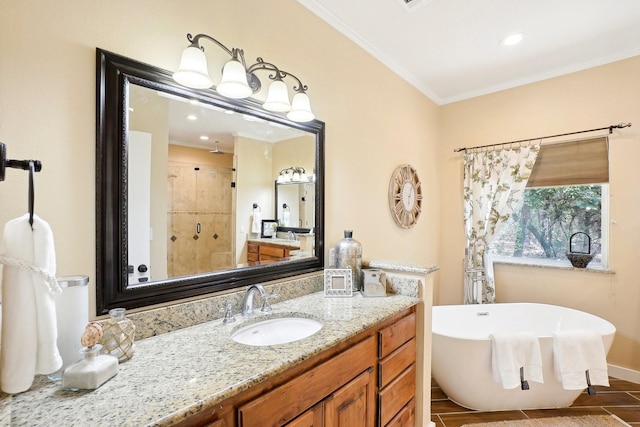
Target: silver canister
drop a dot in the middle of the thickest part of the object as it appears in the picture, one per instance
(349, 255)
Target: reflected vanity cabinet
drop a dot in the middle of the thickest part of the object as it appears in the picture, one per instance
(261, 253)
(368, 380)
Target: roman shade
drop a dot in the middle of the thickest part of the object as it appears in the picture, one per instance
(571, 163)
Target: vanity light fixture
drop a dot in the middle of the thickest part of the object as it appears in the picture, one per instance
(239, 81)
(292, 174)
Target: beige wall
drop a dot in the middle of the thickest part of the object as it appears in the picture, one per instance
(590, 99)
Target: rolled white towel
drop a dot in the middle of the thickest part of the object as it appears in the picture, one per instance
(576, 351)
(512, 351)
(29, 329)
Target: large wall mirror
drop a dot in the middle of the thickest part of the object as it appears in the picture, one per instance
(185, 186)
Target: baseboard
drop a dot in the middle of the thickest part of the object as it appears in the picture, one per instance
(624, 373)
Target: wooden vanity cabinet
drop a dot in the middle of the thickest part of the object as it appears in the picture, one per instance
(397, 373)
(365, 381)
(329, 383)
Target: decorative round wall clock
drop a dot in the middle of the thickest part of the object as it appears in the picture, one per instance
(405, 196)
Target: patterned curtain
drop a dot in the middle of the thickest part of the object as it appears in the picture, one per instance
(494, 183)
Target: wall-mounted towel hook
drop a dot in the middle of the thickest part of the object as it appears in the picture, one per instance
(285, 206)
(255, 206)
(32, 166)
(15, 164)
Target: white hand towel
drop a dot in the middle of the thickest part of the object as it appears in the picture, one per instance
(256, 221)
(576, 351)
(29, 330)
(512, 351)
(286, 218)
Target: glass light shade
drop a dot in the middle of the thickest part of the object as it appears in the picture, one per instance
(234, 81)
(280, 179)
(193, 71)
(296, 177)
(300, 108)
(304, 177)
(277, 97)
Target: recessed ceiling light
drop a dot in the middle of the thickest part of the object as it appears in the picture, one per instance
(512, 39)
(192, 117)
(204, 138)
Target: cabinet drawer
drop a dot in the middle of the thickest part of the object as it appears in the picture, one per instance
(391, 366)
(253, 257)
(406, 416)
(395, 396)
(253, 248)
(286, 402)
(272, 251)
(397, 334)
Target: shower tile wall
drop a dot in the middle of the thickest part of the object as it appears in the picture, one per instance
(199, 219)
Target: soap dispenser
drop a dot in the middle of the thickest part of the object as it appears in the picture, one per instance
(94, 369)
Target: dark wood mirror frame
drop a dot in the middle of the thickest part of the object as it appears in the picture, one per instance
(114, 74)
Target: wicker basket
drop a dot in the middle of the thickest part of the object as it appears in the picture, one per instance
(579, 259)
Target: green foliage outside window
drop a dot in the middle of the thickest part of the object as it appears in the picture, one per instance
(548, 218)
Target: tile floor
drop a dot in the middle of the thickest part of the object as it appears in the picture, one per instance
(622, 398)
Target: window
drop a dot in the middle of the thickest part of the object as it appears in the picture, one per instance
(568, 192)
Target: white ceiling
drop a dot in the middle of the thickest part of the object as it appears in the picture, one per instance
(450, 50)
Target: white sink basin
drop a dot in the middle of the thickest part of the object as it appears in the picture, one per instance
(280, 330)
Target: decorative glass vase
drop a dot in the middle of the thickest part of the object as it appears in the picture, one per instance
(91, 372)
(118, 335)
(349, 255)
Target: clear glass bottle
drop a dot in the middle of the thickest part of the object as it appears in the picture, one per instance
(91, 372)
(118, 335)
(349, 255)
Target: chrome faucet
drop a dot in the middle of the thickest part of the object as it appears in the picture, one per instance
(291, 235)
(247, 302)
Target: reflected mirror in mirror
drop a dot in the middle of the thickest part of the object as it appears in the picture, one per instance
(184, 179)
(295, 205)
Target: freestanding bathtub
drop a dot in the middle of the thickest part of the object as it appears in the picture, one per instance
(461, 352)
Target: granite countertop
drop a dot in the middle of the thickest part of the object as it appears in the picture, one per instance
(177, 374)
